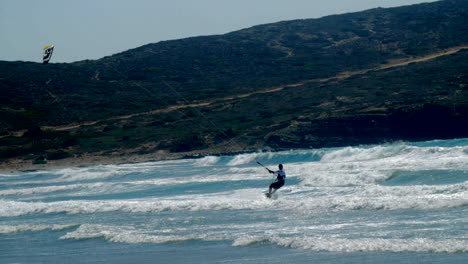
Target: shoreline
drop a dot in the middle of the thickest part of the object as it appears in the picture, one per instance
(25, 164)
(19, 165)
(121, 156)
(86, 160)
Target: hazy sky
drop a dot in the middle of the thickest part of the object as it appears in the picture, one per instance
(92, 29)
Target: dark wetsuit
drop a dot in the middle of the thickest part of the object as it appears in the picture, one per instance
(280, 179)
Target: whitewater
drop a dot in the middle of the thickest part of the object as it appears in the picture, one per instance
(404, 202)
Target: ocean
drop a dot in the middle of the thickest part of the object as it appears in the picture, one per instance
(404, 202)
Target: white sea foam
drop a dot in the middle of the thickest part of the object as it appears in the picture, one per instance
(244, 159)
(360, 245)
(356, 154)
(150, 234)
(361, 166)
(349, 202)
(75, 174)
(401, 157)
(128, 234)
(8, 229)
(206, 161)
(81, 174)
(198, 179)
(350, 198)
(242, 237)
(270, 157)
(99, 172)
(49, 189)
(229, 201)
(126, 186)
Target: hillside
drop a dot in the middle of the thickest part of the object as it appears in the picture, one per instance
(358, 78)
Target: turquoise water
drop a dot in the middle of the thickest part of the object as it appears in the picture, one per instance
(392, 203)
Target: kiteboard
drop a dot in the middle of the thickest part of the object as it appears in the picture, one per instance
(273, 196)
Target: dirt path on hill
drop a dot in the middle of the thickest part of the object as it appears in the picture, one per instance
(342, 75)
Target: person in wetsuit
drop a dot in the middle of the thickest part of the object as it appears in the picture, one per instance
(279, 182)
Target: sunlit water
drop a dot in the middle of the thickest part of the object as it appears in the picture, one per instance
(394, 203)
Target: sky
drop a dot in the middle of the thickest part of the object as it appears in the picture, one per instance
(92, 29)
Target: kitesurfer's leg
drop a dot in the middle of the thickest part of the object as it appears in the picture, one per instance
(269, 190)
(275, 186)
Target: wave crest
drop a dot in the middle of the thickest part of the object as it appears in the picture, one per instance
(360, 245)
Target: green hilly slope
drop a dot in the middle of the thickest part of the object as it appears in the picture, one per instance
(331, 81)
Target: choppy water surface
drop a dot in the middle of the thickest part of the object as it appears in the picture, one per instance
(404, 203)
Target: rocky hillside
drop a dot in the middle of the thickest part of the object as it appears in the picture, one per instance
(366, 77)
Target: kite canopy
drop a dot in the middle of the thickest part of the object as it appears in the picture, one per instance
(47, 53)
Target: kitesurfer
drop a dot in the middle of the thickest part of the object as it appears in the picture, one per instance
(280, 179)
